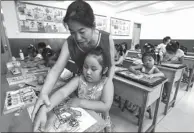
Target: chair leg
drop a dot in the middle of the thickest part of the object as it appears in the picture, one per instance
(125, 105)
(120, 102)
(150, 112)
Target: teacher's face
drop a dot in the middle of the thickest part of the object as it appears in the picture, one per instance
(82, 34)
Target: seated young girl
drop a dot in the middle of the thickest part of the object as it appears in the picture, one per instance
(173, 54)
(148, 69)
(50, 57)
(91, 92)
(41, 47)
(120, 53)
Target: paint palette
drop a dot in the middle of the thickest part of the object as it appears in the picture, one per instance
(18, 99)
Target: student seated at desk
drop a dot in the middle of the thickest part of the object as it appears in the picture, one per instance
(41, 47)
(147, 48)
(120, 53)
(148, 69)
(138, 49)
(32, 52)
(172, 53)
(92, 94)
(162, 46)
(50, 57)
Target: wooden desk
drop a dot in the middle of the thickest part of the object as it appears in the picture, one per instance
(132, 53)
(127, 63)
(23, 123)
(189, 62)
(173, 75)
(140, 95)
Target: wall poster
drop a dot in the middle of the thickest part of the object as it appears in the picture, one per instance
(120, 27)
(101, 22)
(39, 18)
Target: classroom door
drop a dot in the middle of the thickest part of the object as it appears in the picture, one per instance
(136, 35)
(5, 48)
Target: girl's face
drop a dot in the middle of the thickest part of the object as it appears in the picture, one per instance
(92, 70)
(82, 34)
(148, 61)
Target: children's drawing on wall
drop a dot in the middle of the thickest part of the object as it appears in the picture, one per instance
(24, 25)
(33, 26)
(40, 27)
(40, 18)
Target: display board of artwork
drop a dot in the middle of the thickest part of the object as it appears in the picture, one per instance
(39, 18)
(101, 22)
(120, 27)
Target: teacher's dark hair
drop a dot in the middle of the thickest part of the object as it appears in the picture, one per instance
(81, 12)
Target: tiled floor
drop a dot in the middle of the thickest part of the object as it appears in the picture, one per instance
(179, 119)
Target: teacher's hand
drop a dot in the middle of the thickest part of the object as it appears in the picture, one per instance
(40, 119)
(43, 99)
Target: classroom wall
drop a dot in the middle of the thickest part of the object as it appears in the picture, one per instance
(179, 25)
(19, 40)
(11, 23)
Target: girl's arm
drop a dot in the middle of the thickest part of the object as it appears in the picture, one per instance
(103, 105)
(157, 73)
(56, 70)
(179, 61)
(119, 61)
(64, 92)
(134, 69)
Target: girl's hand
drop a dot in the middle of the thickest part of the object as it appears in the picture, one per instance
(137, 72)
(40, 119)
(74, 102)
(148, 76)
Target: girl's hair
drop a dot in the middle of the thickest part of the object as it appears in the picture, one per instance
(151, 54)
(81, 12)
(173, 46)
(120, 49)
(165, 39)
(100, 56)
(32, 50)
(41, 45)
(137, 46)
(148, 47)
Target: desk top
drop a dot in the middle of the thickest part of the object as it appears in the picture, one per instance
(140, 78)
(174, 66)
(189, 57)
(22, 123)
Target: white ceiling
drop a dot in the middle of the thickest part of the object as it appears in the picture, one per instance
(148, 7)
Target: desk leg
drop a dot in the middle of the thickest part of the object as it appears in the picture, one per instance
(142, 112)
(156, 110)
(190, 78)
(169, 87)
(177, 88)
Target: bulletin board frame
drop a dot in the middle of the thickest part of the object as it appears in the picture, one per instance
(120, 27)
(101, 22)
(37, 18)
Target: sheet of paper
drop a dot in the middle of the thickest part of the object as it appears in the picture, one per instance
(54, 125)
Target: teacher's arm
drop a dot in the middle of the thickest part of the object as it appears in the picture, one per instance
(52, 78)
